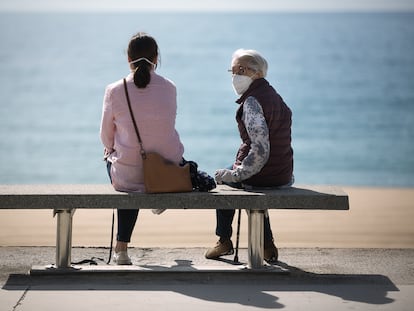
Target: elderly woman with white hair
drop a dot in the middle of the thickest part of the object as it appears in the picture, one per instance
(265, 156)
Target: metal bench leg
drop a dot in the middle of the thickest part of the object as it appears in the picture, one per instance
(64, 237)
(256, 238)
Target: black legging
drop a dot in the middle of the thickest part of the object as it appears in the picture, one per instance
(126, 223)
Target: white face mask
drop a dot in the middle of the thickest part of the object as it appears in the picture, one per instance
(241, 83)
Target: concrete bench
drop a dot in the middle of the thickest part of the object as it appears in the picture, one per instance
(65, 199)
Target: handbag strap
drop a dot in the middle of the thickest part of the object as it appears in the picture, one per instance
(143, 154)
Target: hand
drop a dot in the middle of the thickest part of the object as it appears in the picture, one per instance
(107, 153)
(224, 175)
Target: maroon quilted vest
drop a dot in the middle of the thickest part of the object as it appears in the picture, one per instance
(279, 168)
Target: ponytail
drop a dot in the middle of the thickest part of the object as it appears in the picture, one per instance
(142, 50)
(142, 75)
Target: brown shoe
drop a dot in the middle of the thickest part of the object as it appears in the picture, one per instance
(221, 249)
(270, 253)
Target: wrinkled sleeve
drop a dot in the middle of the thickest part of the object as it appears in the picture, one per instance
(258, 132)
(107, 129)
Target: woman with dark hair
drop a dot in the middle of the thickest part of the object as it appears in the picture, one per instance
(154, 105)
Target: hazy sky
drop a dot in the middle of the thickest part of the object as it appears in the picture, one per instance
(204, 5)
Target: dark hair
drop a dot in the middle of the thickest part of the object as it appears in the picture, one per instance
(142, 45)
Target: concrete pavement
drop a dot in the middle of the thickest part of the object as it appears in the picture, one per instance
(178, 279)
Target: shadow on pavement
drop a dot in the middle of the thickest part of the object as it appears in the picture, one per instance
(248, 288)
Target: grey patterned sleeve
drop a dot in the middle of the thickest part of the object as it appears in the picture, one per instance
(258, 132)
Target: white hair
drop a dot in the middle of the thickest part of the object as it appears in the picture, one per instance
(254, 59)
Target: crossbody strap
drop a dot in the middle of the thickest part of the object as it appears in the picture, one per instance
(143, 154)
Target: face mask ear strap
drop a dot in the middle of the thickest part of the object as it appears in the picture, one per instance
(256, 71)
(143, 58)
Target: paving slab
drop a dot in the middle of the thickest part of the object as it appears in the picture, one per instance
(319, 279)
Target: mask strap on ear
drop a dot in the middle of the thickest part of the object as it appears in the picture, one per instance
(143, 58)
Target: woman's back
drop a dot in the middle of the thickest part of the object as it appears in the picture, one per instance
(154, 109)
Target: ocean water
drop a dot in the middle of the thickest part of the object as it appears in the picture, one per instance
(348, 78)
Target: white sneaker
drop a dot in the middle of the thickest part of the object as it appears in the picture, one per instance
(158, 211)
(122, 258)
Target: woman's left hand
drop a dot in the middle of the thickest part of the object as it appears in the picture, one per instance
(107, 153)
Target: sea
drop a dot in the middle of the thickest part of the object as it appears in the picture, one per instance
(347, 77)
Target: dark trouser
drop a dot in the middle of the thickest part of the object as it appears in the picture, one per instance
(225, 219)
(224, 229)
(126, 217)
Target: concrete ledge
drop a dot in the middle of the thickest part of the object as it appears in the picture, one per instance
(153, 269)
(223, 197)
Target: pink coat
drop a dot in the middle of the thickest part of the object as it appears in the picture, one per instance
(155, 109)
